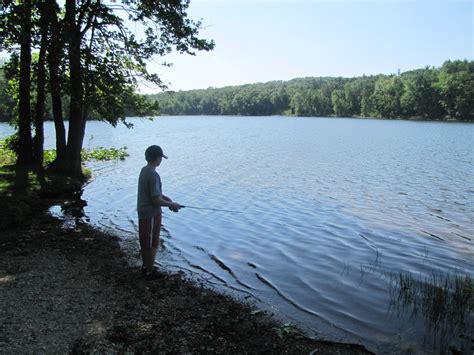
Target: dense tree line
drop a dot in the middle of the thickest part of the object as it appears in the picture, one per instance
(84, 51)
(430, 93)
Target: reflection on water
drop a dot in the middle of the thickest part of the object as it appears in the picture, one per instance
(323, 205)
(71, 211)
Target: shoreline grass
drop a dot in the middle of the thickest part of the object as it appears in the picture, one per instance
(444, 300)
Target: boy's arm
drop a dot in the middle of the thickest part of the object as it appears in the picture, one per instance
(165, 201)
(166, 198)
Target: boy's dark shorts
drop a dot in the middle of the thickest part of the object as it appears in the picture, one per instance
(149, 231)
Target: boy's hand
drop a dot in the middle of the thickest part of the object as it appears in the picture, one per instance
(174, 206)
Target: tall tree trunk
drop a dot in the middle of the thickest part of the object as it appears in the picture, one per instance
(55, 48)
(77, 123)
(88, 78)
(41, 84)
(24, 121)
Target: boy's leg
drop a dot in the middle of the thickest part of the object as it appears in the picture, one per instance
(149, 234)
(150, 262)
(143, 255)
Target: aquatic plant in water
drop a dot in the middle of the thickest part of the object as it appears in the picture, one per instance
(8, 155)
(446, 302)
(92, 154)
(104, 154)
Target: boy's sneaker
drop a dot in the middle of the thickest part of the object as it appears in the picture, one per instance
(154, 275)
(143, 270)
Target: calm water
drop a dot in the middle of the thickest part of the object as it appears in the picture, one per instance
(325, 210)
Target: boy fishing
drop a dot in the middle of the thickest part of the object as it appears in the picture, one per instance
(150, 198)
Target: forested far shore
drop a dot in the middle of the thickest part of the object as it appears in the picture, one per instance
(444, 93)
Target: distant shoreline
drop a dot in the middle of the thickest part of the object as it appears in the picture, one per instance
(414, 119)
(429, 92)
(335, 117)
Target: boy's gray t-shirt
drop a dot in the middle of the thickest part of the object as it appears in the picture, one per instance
(149, 185)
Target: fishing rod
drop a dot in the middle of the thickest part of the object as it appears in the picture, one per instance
(209, 209)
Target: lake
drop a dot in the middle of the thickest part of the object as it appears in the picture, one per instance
(322, 216)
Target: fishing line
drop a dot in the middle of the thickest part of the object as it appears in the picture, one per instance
(210, 209)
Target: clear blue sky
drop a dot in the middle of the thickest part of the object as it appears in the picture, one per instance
(265, 40)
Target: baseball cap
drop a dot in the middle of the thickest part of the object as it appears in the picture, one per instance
(153, 152)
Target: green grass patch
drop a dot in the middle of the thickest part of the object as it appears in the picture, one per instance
(7, 156)
(6, 177)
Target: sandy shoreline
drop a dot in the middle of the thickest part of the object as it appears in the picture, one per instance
(70, 289)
